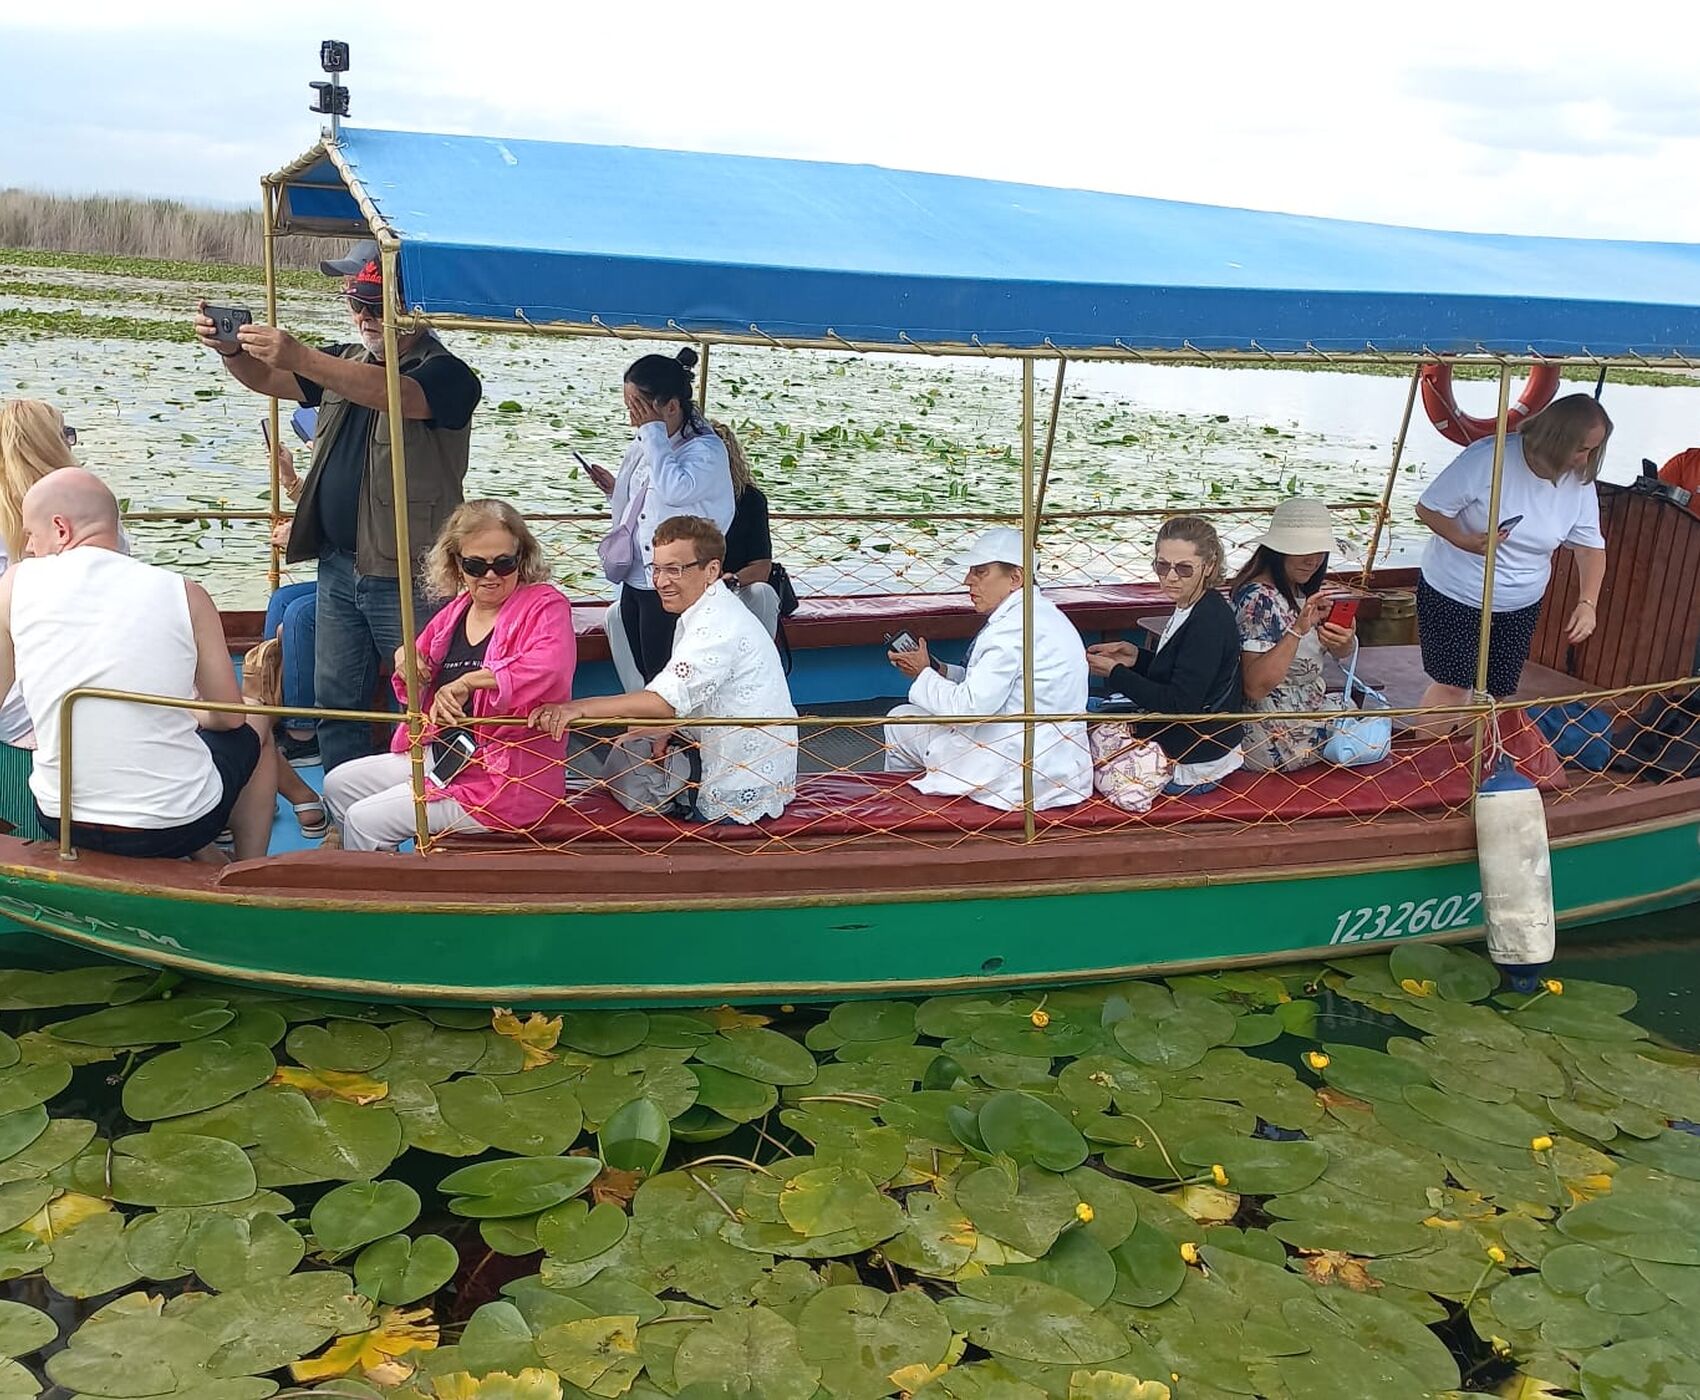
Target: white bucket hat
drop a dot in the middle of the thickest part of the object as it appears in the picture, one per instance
(999, 545)
(1300, 525)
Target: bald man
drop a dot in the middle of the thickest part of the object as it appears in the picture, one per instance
(77, 613)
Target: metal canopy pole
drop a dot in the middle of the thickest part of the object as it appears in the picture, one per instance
(1029, 581)
(1050, 439)
(1392, 476)
(388, 247)
(268, 223)
(702, 378)
(1485, 631)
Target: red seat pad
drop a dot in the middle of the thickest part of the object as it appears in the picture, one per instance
(866, 619)
(1421, 776)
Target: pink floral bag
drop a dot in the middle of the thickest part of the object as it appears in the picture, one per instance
(1127, 771)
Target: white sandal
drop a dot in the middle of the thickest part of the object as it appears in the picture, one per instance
(311, 826)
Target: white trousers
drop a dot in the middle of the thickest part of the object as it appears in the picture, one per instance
(906, 745)
(371, 799)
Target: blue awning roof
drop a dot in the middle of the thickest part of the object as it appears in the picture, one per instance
(651, 240)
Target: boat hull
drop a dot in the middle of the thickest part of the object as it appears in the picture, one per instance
(482, 951)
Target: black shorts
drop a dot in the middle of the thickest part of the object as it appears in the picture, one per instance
(235, 755)
(1449, 631)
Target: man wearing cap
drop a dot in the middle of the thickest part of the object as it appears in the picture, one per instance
(346, 514)
(985, 761)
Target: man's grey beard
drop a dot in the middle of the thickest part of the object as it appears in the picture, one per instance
(374, 345)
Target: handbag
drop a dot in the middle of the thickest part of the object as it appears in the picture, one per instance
(618, 549)
(642, 783)
(1577, 731)
(779, 580)
(1127, 772)
(1357, 739)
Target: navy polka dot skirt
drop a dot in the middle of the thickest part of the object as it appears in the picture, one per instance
(1449, 631)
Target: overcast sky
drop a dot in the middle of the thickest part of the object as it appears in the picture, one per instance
(1562, 118)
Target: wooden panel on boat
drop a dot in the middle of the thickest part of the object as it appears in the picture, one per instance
(1649, 607)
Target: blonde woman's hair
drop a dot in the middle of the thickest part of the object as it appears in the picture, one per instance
(1201, 535)
(262, 673)
(32, 444)
(1556, 434)
(741, 477)
(442, 566)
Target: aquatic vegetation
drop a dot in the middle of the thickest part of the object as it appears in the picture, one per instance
(1098, 1193)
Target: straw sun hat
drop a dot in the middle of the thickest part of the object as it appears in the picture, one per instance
(1300, 525)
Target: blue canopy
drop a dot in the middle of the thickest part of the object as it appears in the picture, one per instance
(647, 240)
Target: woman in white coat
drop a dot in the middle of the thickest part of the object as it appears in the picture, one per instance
(676, 465)
(985, 761)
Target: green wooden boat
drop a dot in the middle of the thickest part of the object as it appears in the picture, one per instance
(811, 257)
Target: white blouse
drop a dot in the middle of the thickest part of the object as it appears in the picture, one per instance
(676, 475)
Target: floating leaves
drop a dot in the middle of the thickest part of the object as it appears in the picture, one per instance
(536, 1035)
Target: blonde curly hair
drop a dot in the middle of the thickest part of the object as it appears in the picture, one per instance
(442, 566)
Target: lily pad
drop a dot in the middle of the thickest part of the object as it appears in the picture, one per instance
(635, 1138)
(604, 1032)
(1025, 1210)
(597, 1354)
(329, 1140)
(18, 1130)
(200, 1075)
(755, 1052)
(89, 1258)
(346, 1046)
(1370, 1074)
(1650, 1368)
(858, 1337)
(168, 1169)
(148, 1023)
(1033, 1321)
(575, 1230)
(873, 1020)
(401, 1270)
(1673, 1152)
(541, 1123)
(752, 1350)
(429, 1053)
(24, 1329)
(1029, 1130)
(24, 1086)
(517, 1185)
(1257, 1166)
(734, 1096)
(231, 1252)
(19, 1200)
(359, 1212)
(654, 1073)
(1149, 1268)
(1077, 1264)
(1170, 1044)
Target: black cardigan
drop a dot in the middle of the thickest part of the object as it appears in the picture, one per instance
(1198, 672)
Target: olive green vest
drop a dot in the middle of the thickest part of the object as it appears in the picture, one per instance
(435, 459)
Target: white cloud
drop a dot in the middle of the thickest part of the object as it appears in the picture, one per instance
(1588, 125)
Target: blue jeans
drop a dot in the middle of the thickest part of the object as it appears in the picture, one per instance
(358, 631)
(294, 610)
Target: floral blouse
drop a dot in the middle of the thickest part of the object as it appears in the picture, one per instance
(1264, 616)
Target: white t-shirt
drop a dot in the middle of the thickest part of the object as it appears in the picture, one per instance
(1554, 513)
(725, 666)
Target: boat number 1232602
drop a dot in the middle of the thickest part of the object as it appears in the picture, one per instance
(1391, 921)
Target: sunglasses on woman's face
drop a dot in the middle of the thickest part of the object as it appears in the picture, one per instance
(1162, 568)
(69, 434)
(501, 566)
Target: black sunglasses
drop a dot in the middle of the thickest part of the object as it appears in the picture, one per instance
(69, 434)
(501, 566)
(360, 306)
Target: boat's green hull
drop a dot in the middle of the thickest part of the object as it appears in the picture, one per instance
(792, 951)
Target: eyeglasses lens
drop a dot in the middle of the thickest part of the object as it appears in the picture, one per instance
(1163, 568)
(501, 566)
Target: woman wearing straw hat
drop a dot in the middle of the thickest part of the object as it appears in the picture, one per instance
(1281, 609)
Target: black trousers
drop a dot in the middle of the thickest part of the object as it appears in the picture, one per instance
(649, 629)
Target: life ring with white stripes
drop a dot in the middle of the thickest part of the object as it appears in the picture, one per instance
(1461, 428)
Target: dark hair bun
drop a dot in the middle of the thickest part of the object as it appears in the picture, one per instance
(688, 357)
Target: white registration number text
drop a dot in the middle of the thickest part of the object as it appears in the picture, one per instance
(1390, 921)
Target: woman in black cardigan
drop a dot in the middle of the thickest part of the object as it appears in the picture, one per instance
(1195, 666)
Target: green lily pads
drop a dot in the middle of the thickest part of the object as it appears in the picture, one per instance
(635, 1138)
(1025, 1210)
(414, 1102)
(1497, 1122)
(24, 1086)
(734, 1096)
(1033, 1321)
(1257, 1166)
(19, 1200)
(326, 1141)
(255, 1025)
(429, 1053)
(148, 1023)
(230, 1252)
(1098, 1082)
(60, 1142)
(1671, 1151)
(517, 1185)
(677, 1223)
(755, 1052)
(872, 1020)
(272, 1323)
(1458, 974)
(937, 1239)
(599, 1355)
(1029, 1130)
(200, 1075)
(858, 1336)
(652, 1072)
(604, 1032)
(540, 1123)
(1649, 1368)
(1370, 1074)
(401, 1270)
(752, 1350)
(831, 1199)
(24, 1329)
(575, 1230)
(1149, 1268)
(168, 1169)
(1077, 1264)
(346, 1046)
(1169, 1044)
(18, 1130)
(359, 1212)
(89, 1258)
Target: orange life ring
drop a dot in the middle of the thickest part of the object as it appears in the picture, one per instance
(1461, 428)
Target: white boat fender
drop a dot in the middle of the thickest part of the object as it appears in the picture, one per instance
(1516, 873)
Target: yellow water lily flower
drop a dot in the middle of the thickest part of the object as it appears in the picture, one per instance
(1424, 988)
(1316, 1060)
(1501, 1347)
(1040, 1017)
(1495, 1253)
(1540, 1144)
(1083, 1213)
(1219, 1173)
(1189, 1252)
(1554, 986)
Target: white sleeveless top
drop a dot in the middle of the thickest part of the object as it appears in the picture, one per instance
(92, 618)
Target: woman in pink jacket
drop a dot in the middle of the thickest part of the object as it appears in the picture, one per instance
(501, 647)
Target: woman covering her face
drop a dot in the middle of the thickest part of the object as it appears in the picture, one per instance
(502, 646)
(1194, 669)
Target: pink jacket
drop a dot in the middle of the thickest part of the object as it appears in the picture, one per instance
(517, 776)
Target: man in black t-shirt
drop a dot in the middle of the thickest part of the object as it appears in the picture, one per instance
(346, 515)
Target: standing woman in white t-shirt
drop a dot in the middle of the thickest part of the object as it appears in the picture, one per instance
(34, 440)
(676, 465)
(1547, 499)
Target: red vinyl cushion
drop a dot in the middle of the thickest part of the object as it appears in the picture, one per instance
(1424, 776)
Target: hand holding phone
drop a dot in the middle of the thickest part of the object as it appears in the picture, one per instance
(226, 321)
(900, 641)
(601, 476)
(1344, 613)
(1507, 526)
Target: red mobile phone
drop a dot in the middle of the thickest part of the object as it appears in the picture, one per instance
(1344, 612)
